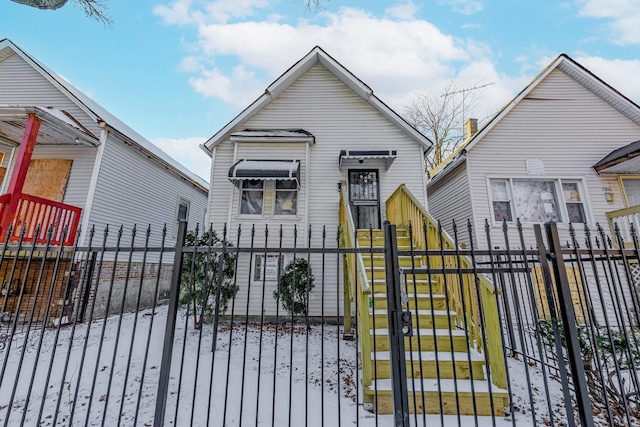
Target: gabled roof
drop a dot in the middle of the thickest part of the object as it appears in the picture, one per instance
(316, 56)
(571, 68)
(101, 115)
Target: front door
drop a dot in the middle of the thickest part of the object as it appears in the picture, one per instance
(364, 198)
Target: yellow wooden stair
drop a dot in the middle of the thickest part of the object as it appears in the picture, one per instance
(443, 372)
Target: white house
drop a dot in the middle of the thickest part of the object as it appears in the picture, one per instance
(66, 162)
(316, 130)
(542, 158)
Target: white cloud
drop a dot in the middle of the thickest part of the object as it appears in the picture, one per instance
(187, 151)
(199, 11)
(238, 89)
(464, 7)
(395, 56)
(615, 72)
(404, 11)
(623, 18)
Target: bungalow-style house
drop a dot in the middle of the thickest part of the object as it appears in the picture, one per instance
(553, 153)
(315, 131)
(66, 162)
(319, 149)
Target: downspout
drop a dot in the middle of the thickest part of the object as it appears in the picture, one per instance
(235, 159)
(97, 163)
(208, 219)
(307, 176)
(423, 154)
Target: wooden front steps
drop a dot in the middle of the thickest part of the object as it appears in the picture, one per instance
(443, 373)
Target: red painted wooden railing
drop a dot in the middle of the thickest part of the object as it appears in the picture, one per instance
(35, 211)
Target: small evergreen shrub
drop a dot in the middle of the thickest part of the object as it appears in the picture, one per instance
(294, 287)
(200, 276)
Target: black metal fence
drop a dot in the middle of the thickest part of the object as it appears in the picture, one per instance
(250, 329)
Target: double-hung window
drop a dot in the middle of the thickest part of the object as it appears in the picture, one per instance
(268, 197)
(252, 198)
(537, 200)
(286, 197)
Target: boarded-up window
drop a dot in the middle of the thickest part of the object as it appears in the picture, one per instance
(47, 178)
(577, 295)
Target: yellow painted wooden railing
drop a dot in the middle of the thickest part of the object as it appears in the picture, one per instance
(624, 218)
(356, 288)
(403, 209)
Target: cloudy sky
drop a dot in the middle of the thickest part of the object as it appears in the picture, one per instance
(176, 71)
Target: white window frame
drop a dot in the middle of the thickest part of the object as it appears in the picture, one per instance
(259, 267)
(559, 194)
(181, 202)
(288, 190)
(269, 195)
(242, 190)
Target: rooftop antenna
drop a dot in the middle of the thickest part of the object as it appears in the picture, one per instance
(464, 92)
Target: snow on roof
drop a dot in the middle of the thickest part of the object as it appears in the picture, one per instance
(101, 114)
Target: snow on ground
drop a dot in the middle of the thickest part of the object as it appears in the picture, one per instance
(308, 377)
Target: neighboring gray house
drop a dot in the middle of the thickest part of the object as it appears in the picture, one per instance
(539, 159)
(66, 162)
(315, 131)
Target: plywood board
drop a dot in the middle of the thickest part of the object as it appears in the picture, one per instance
(47, 178)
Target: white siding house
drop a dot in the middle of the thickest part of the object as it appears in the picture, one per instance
(534, 161)
(67, 163)
(337, 134)
(114, 175)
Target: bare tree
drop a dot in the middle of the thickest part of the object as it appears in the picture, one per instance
(94, 9)
(440, 116)
(97, 9)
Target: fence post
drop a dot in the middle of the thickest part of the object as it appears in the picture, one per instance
(567, 313)
(398, 321)
(169, 334)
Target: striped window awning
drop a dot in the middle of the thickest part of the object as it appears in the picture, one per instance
(367, 158)
(265, 169)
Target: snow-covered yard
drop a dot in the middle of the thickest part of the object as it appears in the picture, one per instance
(268, 374)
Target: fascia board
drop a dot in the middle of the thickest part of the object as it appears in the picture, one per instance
(392, 116)
(51, 77)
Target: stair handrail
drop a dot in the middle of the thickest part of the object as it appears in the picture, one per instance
(354, 272)
(404, 209)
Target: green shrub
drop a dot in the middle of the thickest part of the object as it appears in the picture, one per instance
(200, 277)
(294, 287)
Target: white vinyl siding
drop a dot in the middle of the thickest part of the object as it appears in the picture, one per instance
(450, 200)
(339, 120)
(565, 126)
(20, 84)
(133, 190)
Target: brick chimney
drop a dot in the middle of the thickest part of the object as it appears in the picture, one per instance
(471, 128)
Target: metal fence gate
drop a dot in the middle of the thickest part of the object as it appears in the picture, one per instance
(277, 327)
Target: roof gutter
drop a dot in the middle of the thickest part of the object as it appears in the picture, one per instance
(448, 168)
